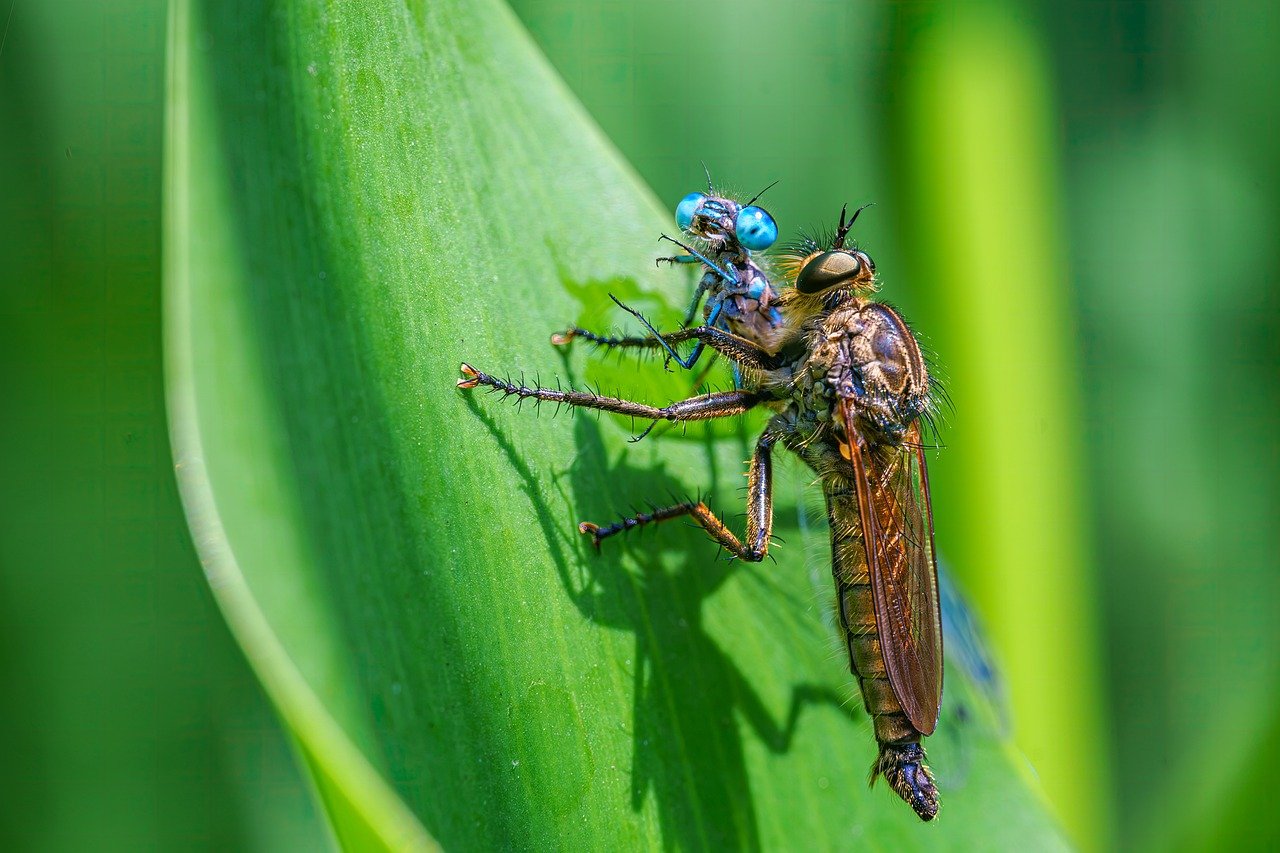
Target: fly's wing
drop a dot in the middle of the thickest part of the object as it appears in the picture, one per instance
(897, 533)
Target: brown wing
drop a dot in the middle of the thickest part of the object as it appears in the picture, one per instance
(897, 533)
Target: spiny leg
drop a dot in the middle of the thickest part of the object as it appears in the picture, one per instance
(707, 282)
(759, 512)
(566, 337)
(703, 407)
(737, 348)
(704, 284)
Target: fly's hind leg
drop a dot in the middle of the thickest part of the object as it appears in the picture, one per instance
(759, 512)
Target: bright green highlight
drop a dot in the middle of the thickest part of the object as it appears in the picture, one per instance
(1012, 483)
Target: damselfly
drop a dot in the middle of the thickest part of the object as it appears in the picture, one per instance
(739, 295)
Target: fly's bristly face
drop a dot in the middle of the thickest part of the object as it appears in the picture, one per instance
(819, 266)
(825, 271)
(848, 269)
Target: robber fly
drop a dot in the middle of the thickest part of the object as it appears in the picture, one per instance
(739, 296)
(849, 387)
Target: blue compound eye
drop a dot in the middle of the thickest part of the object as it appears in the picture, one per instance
(687, 207)
(755, 228)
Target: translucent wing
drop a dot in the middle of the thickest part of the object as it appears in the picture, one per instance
(897, 528)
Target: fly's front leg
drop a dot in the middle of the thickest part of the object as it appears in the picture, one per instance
(703, 407)
(740, 350)
(759, 512)
(714, 308)
(566, 337)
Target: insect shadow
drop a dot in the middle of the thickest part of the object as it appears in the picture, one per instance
(688, 694)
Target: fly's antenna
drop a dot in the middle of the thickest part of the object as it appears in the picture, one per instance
(762, 192)
(843, 230)
(710, 189)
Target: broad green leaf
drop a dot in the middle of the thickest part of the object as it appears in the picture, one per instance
(360, 197)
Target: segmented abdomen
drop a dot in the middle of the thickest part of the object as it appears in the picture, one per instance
(858, 622)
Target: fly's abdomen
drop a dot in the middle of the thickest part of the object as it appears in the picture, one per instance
(858, 623)
(901, 757)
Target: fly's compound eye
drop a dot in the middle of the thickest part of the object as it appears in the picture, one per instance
(687, 207)
(828, 270)
(755, 228)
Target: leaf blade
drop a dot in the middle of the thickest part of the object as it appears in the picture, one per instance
(370, 196)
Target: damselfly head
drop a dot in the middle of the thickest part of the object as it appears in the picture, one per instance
(722, 220)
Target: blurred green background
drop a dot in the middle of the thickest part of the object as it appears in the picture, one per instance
(1076, 203)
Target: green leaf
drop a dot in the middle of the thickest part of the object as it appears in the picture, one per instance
(128, 720)
(359, 198)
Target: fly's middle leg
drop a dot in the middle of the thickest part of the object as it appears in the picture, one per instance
(753, 547)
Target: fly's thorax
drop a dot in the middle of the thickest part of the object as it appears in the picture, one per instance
(865, 352)
(807, 432)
